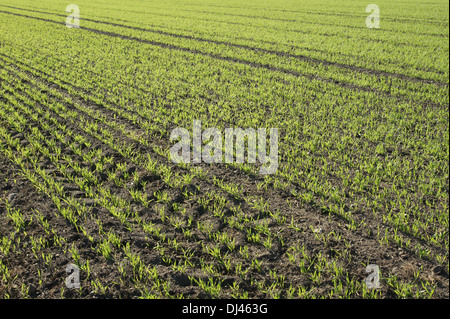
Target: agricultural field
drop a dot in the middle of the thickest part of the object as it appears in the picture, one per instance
(87, 177)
